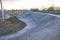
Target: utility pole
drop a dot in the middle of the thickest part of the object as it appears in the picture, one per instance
(2, 10)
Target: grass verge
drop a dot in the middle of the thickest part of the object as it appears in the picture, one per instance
(11, 25)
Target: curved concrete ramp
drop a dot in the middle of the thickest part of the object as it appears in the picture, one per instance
(40, 27)
(33, 20)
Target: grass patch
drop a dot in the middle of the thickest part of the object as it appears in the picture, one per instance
(50, 12)
(12, 20)
(11, 25)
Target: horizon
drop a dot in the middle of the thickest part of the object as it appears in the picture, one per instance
(28, 4)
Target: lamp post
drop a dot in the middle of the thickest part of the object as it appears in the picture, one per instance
(2, 10)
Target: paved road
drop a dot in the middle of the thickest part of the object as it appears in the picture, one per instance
(39, 27)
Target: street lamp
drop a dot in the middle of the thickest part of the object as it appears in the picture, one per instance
(2, 10)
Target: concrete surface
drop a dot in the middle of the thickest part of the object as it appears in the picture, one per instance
(6, 16)
(38, 27)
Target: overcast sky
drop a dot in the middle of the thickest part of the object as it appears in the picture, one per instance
(27, 4)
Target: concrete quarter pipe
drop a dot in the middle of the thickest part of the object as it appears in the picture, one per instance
(38, 27)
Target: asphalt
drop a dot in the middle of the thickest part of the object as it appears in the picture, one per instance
(39, 26)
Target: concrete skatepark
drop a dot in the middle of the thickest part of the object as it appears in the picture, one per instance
(39, 26)
(6, 16)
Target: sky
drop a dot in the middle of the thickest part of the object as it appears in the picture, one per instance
(27, 4)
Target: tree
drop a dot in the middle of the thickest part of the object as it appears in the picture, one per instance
(34, 9)
(51, 8)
